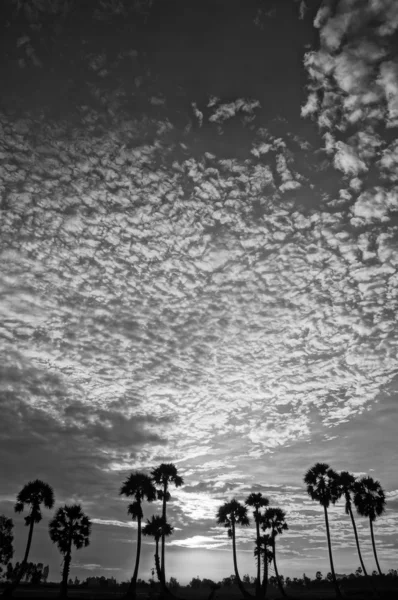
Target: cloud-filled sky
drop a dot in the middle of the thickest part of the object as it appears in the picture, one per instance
(199, 265)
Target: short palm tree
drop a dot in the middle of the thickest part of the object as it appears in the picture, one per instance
(257, 501)
(157, 527)
(33, 494)
(70, 526)
(140, 487)
(164, 475)
(370, 501)
(275, 520)
(230, 514)
(322, 486)
(346, 487)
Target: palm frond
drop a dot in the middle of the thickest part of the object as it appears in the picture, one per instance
(70, 525)
(369, 498)
(321, 483)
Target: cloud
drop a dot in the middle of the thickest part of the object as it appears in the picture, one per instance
(273, 436)
(376, 205)
(115, 523)
(388, 80)
(225, 111)
(199, 541)
(346, 160)
(353, 78)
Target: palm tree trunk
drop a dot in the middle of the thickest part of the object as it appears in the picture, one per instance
(131, 593)
(9, 589)
(67, 561)
(374, 547)
(280, 586)
(258, 580)
(241, 587)
(336, 585)
(162, 565)
(357, 541)
(265, 574)
(65, 574)
(165, 592)
(25, 558)
(157, 563)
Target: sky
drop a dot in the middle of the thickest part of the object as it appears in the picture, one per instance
(199, 253)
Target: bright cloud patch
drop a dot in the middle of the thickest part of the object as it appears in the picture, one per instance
(353, 77)
(198, 293)
(199, 541)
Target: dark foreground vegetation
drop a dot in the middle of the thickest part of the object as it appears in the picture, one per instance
(353, 586)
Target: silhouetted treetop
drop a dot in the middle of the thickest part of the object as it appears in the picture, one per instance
(369, 498)
(166, 473)
(70, 526)
(322, 484)
(34, 493)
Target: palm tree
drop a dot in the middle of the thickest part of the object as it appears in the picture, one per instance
(257, 501)
(274, 519)
(370, 501)
(140, 487)
(34, 494)
(157, 527)
(264, 550)
(321, 483)
(164, 475)
(230, 514)
(70, 526)
(346, 487)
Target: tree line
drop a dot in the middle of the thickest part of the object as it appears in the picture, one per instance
(71, 527)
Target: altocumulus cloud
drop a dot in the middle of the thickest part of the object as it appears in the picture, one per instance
(142, 287)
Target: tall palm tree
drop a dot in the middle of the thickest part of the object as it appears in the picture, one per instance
(157, 527)
(275, 520)
(370, 501)
(230, 514)
(70, 526)
(33, 494)
(164, 475)
(140, 487)
(265, 551)
(257, 501)
(346, 487)
(321, 483)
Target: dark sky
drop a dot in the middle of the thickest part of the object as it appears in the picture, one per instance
(198, 265)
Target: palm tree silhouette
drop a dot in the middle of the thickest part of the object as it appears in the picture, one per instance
(370, 501)
(257, 501)
(69, 526)
(164, 475)
(157, 527)
(140, 487)
(34, 494)
(346, 488)
(230, 514)
(274, 519)
(322, 486)
(264, 551)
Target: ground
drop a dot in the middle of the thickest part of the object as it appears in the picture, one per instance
(357, 589)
